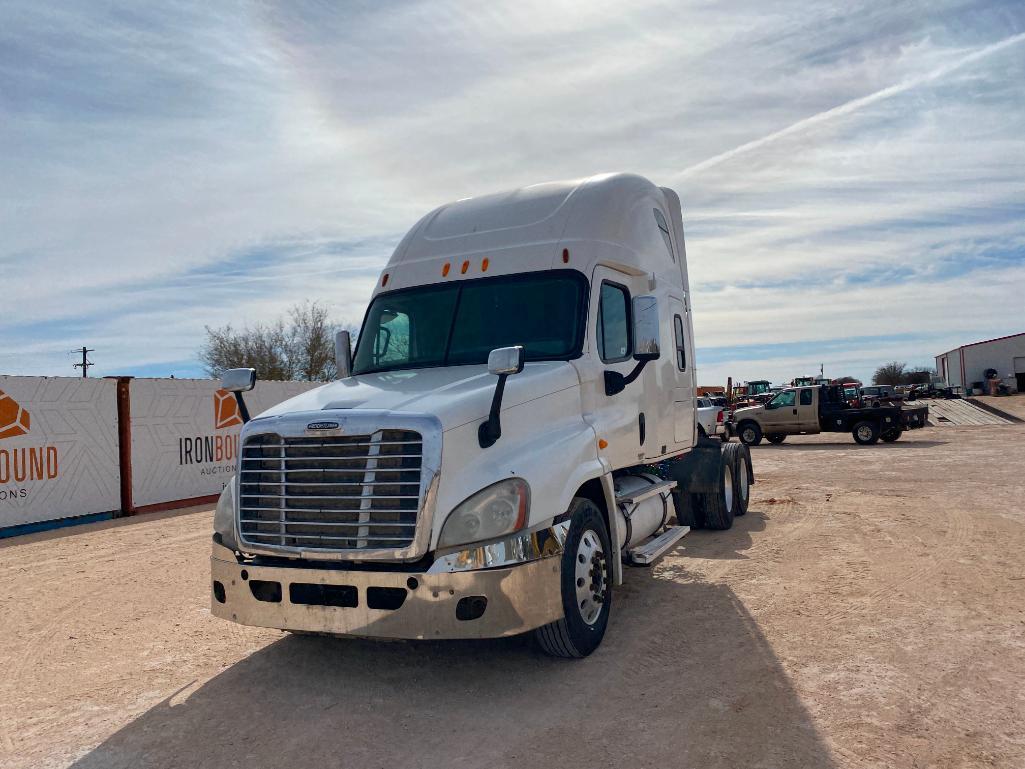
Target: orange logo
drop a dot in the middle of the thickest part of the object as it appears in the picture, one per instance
(225, 410)
(14, 420)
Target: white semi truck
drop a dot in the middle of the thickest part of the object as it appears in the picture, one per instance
(515, 425)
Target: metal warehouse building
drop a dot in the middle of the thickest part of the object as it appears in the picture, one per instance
(967, 364)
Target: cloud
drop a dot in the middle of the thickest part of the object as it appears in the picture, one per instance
(849, 171)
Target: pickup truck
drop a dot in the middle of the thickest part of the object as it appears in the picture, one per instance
(712, 419)
(825, 408)
(515, 424)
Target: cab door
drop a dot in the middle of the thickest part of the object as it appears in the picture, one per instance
(807, 410)
(780, 414)
(619, 419)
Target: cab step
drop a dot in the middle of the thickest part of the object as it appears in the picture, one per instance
(646, 554)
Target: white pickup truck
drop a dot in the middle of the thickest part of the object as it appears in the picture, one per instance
(483, 466)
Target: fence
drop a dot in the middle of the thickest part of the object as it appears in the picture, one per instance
(74, 450)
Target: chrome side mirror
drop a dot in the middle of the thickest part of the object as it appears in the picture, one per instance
(238, 380)
(502, 362)
(646, 328)
(506, 361)
(343, 354)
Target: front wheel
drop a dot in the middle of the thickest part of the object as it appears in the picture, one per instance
(775, 438)
(865, 433)
(751, 433)
(586, 586)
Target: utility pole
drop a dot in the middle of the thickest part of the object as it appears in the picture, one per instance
(86, 363)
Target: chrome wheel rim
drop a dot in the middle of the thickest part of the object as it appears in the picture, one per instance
(749, 435)
(727, 480)
(589, 574)
(865, 432)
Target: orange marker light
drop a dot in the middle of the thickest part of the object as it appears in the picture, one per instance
(602, 443)
(565, 256)
(484, 265)
(445, 269)
(466, 266)
(384, 280)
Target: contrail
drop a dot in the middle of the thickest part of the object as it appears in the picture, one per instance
(855, 104)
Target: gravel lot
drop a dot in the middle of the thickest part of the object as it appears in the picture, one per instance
(868, 612)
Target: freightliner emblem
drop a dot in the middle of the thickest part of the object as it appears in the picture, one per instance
(322, 426)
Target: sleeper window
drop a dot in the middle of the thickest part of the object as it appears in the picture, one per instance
(681, 352)
(664, 228)
(613, 323)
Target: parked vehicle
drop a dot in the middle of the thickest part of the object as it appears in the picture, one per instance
(712, 419)
(877, 395)
(516, 422)
(830, 408)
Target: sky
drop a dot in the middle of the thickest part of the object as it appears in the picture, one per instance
(852, 173)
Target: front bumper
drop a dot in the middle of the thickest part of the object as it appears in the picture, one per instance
(420, 605)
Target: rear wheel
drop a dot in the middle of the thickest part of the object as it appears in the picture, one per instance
(586, 586)
(865, 433)
(750, 433)
(718, 507)
(740, 457)
(775, 438)
(891, 435)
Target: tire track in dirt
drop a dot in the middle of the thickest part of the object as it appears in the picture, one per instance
(952, 543)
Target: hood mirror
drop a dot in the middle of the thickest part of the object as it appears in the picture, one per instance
(238, 381)
(505, 360)
(502, 362)
(343, 354)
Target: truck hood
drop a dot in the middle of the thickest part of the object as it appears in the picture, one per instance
(456, 395)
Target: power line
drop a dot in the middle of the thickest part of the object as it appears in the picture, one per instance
(86, 363)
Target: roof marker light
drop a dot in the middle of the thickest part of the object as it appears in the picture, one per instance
(484, 265)
(602, 443)
(466, 266)
(565, 256)
(445, 269)
(384, 280)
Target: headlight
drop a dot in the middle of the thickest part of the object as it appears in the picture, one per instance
(224, 517)
(492, 512)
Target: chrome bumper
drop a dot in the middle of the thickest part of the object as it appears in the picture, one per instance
(519, 598)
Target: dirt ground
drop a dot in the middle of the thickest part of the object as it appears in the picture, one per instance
(868, 612)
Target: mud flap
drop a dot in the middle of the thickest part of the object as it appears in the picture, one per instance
(695, 472)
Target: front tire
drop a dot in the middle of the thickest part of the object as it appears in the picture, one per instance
(586, 586)
(750, 433)
(865, 433)
(775, 439)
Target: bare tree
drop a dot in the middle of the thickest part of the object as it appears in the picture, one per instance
(300, 349)
(889, 374)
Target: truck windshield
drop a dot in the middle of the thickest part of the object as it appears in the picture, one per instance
(459, 323)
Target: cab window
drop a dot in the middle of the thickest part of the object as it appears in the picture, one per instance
(785, 398)
(805, 397)
(613, 323)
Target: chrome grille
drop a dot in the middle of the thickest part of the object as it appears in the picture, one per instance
(333, 493)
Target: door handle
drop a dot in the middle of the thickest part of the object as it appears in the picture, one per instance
(795, 411)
